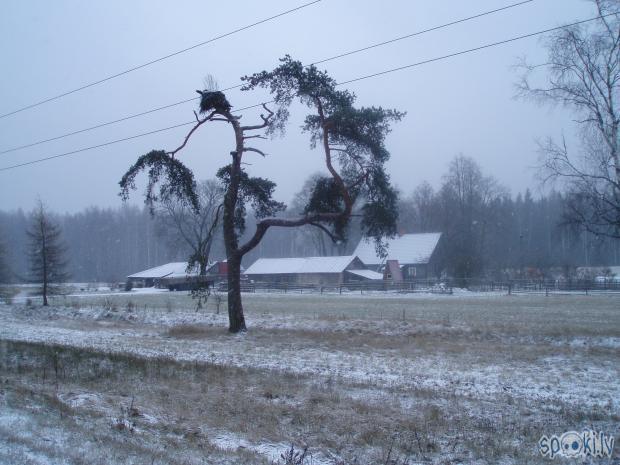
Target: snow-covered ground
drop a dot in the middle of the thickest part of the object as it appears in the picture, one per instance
(427, 377)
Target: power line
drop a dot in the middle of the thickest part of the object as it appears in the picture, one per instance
(124, 139)
(381, 73)
(157, 60)
(65, 154)
(352, 52)
(424, 31)
(475, 49)
(108, 123)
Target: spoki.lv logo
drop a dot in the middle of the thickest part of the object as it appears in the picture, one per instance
(573, 444)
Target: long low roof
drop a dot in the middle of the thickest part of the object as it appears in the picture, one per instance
(161, 271)
(300, 265)
(408, 249)
(172, 270)
(368, 274)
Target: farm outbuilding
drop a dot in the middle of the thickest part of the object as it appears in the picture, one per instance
(150, 277)
(184, 281)
(415, 253)
(175, 276)
(310, 270)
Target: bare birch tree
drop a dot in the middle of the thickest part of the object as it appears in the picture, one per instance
(196, 229)
(583, 74)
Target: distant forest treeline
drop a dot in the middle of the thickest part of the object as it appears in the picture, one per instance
(486, 232)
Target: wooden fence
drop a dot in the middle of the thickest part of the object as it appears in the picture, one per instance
(436, 286)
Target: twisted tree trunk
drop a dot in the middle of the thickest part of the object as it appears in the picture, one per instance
(236, 320)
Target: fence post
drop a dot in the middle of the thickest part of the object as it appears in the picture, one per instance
(509, 288)
(340, 289)
(546, 291)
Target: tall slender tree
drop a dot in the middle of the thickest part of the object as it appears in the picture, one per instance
(47, 251)
(466, 198)
(583, 74)
(353, 144)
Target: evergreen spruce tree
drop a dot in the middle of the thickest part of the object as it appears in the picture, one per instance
(46, 251)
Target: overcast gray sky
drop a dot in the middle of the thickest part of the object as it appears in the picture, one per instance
(460, 105)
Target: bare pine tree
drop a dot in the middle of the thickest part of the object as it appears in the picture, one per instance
(46, 252)
(583, 74)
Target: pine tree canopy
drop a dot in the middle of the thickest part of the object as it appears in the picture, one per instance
(258, 192)
(177, 181)
(356, 137)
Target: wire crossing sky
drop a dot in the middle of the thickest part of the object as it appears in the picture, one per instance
(464, 103)
(157, 60)
(381, 73)
(325, 60)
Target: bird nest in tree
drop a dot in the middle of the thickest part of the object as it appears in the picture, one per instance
(213, 101)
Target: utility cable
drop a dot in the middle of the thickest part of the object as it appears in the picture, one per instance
(335, 57)
(381, 73)
(157, 60)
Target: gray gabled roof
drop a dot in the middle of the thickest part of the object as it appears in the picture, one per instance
(368, 274)
(161, 271)
(300, 265)
(408, 249)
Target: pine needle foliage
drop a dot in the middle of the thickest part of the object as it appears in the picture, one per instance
(355, 137)
(257, 192)
(177, 181)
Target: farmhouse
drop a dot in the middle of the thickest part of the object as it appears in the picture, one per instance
(414, 254)
(311, 270)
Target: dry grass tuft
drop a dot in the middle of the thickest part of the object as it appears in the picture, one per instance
(193, 331)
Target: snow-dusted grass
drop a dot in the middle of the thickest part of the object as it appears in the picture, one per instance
(435, 378)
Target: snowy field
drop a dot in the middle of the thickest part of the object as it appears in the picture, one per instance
(142, 378)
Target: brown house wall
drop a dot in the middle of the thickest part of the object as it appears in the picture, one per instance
(303, 278)
(309, 278)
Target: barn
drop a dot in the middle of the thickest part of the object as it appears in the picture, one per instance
(174, 276)
(311, 270)
(150, 277)
(414, 254)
